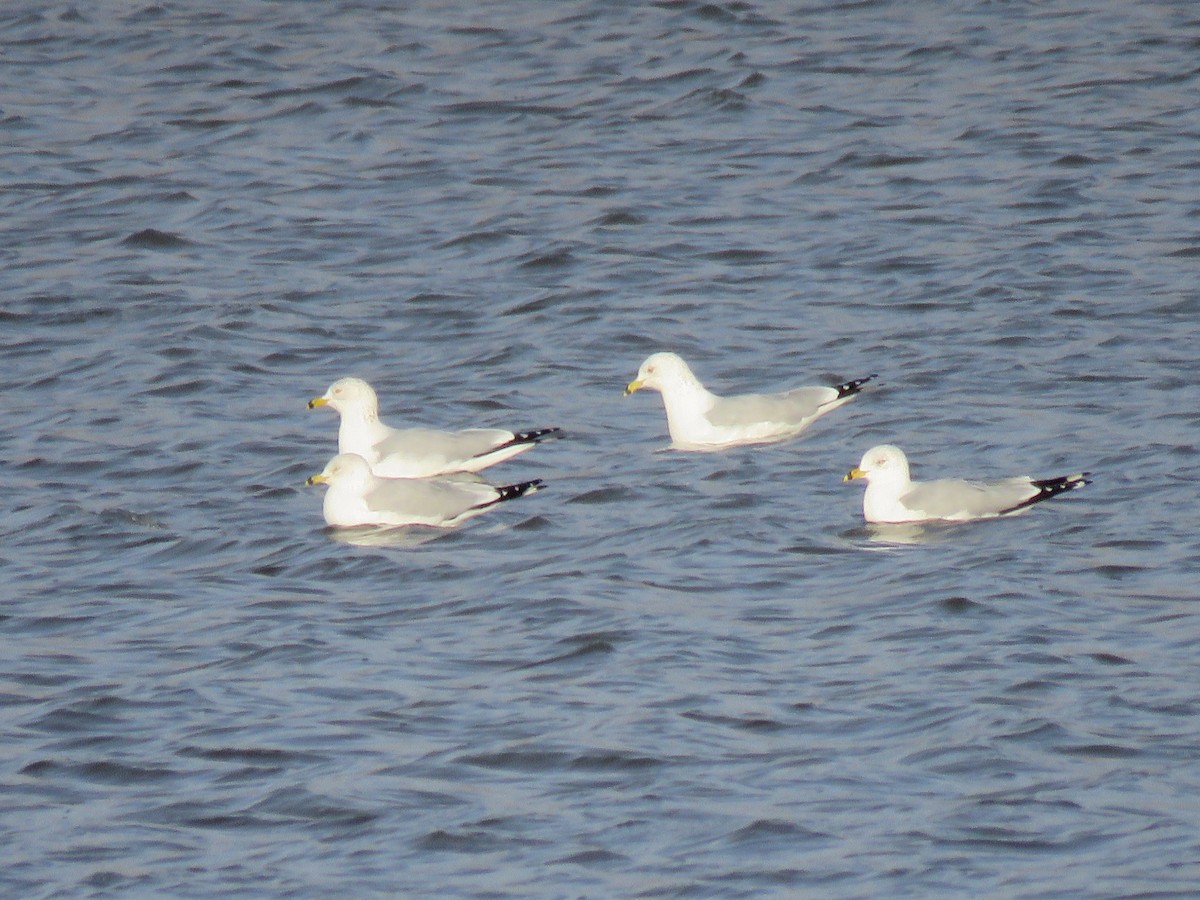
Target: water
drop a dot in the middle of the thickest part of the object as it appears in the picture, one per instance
(667, 674)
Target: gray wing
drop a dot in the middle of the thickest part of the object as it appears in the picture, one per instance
(793, 407)
(449, 445)
(432, 500)
(955, 497)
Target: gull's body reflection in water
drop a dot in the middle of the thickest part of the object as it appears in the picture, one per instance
(901, 533)
(395, 536)
(904, 533)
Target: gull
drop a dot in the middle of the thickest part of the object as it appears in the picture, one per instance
(416, 452)
(358, 497)
(700, 420)
(891, 496)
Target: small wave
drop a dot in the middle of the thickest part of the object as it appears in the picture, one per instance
(153, 239)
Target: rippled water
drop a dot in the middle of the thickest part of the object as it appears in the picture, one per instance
(667, 674)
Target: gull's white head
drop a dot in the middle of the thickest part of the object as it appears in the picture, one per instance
(660, 372)
(883, 464)
(346, 470)
(348, 395)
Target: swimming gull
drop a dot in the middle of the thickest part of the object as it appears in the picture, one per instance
(700, 420)
(416, 452)
(358, 497)
(891, 496)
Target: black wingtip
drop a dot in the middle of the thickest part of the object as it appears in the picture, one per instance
(1064, 482)
(513, 491)
(850, 388)
(1052, 487)
(535, 435)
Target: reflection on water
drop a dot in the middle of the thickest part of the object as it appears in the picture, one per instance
(398, 536)
(908, 532)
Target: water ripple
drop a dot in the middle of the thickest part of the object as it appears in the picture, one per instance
(671, 673)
